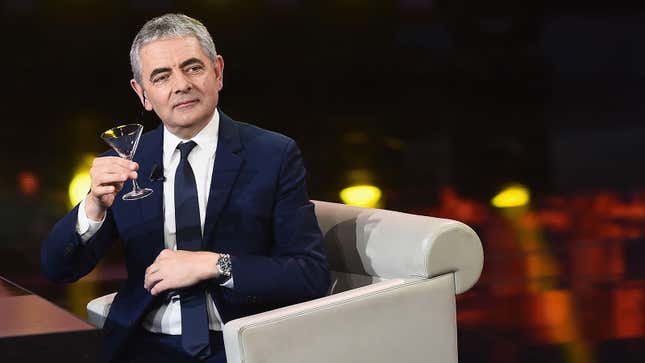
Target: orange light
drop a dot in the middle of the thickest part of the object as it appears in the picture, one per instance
(28, 183)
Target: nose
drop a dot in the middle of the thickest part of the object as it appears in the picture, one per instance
(182, 84)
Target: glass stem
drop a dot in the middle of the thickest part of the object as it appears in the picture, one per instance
(135, 187)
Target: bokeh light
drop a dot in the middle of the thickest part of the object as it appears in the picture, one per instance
(367, 196)
(515, 195)
(81, 181)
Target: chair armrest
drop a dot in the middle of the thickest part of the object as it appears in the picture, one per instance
(389, 244)
(389, 321)
(98, 309)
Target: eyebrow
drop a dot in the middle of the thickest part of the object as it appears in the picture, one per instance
(182, 65)
(157, 71)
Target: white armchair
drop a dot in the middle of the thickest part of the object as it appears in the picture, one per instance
(394, 281)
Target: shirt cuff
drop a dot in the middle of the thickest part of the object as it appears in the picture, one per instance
(86, 227)
(228, 283)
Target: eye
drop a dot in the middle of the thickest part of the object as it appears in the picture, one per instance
(160, 78)
(196, 68)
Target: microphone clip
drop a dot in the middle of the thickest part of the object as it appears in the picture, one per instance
(157, 174)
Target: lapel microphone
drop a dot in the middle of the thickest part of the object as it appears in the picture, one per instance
(157, 174)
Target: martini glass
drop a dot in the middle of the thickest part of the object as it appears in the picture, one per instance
(124, 140)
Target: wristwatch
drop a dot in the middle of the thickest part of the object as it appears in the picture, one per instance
(224, 267)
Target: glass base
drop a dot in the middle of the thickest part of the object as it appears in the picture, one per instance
(137, 194)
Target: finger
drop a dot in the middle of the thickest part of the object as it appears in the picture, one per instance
(118, 187)
(106, 193)
(152, 268)
(159, 287)
(165, 253)
(115, 161)
(151, 280)
(99, 191)
(113, 178)
(102, 190)
(123, 167)
(109, 169)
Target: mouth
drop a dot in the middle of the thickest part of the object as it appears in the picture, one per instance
(185, 104)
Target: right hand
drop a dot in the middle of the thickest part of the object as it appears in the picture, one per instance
(107, 175)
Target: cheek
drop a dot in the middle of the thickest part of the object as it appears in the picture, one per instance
(210, 85)
(157, 102)
(211, 90)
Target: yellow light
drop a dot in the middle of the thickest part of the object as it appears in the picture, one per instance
(81, 182)
(110, 133)
(78, 187)
(367, 196)
(512, 196)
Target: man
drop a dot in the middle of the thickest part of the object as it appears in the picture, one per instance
(229, 230)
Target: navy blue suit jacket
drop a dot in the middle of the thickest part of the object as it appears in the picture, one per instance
(258, 212)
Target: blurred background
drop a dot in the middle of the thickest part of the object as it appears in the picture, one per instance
(524, 120)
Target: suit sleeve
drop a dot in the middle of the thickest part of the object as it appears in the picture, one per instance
(297, 268)
(64, 257)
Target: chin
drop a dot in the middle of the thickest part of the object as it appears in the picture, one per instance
(191, 121)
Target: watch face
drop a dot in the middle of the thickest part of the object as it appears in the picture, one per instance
(224, 265)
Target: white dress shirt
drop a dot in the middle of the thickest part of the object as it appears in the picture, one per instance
(167, 318)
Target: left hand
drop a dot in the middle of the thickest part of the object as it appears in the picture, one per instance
(179, 269)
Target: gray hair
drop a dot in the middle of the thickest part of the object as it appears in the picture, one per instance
(169, 26)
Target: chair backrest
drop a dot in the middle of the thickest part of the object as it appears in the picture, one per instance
(366, 245)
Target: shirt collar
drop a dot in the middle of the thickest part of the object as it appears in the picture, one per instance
(206, 139)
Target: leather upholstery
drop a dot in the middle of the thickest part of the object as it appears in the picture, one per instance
(394, 280)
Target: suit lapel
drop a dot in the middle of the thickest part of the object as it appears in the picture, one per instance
(226, 168)
(150, 155)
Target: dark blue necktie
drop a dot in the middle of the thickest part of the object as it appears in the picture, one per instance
(194, 317)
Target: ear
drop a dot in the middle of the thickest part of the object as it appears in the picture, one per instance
(142, 94)
(219, 72)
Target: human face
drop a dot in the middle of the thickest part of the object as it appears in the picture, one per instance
(180, 83)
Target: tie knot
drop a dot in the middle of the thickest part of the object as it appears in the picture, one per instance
(185, 148)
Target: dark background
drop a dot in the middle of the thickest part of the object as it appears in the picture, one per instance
(466, 93)
(428, 96)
